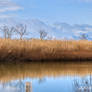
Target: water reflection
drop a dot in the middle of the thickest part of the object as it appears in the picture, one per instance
(46, 77)
(84, 84)
(28, 87)
(16, 86)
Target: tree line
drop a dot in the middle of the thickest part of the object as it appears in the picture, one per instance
(21, 30)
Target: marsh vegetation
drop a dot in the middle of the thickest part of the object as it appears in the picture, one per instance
(45, 50)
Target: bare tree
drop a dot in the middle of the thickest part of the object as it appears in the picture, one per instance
(43, 34)
(83, 37)
(7, 31)
(21, 30)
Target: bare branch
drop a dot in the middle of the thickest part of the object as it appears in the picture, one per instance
(83, 37)
(43, 34)
(21, 30)
(7, 31)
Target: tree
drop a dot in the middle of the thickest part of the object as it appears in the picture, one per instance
(7, 31)
(21, 30)
(43, 34)
(83, 37)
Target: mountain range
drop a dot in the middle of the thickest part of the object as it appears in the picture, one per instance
(56, 30)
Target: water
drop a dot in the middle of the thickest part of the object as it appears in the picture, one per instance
(46, 77)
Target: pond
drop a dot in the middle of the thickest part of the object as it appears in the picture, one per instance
(46, 77)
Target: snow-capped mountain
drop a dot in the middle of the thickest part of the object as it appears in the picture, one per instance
(55, 30)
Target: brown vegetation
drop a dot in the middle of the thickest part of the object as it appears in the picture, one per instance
(30, 50)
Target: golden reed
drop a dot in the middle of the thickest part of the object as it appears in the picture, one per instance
(45, 50)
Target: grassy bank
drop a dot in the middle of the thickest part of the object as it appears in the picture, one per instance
(32, 50)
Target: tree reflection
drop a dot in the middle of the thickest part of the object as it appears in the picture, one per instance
(20, 86)
(41, 80)
(28, 87)
(83, 85)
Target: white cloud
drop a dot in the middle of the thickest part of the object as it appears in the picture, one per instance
(7, 5)
(3, 16)
(86, 0)
(10, 9)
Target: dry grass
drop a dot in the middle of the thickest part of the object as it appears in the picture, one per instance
(45, 50)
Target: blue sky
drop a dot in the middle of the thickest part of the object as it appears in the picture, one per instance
(68, 11)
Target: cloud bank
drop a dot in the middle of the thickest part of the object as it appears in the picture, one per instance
(8, 6)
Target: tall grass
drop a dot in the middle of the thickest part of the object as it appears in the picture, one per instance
(45, 50)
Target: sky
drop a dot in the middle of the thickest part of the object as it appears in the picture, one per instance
(68, 11)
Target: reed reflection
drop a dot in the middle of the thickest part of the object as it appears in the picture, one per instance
(40, 70)
(46, 77)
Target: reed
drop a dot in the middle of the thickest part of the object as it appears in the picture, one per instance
(32, 50)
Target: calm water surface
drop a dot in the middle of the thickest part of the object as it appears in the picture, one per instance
(46, 77)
